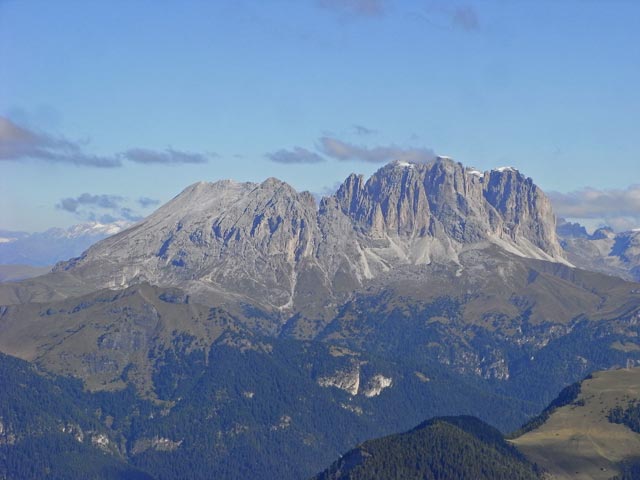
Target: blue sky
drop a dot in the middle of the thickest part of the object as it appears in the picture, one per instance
(169, 93)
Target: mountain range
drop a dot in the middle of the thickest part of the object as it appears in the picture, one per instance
(602, 251)
(44, 249)
(273, 247)
(243, 328)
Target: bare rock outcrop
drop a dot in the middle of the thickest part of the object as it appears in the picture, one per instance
(269, 245)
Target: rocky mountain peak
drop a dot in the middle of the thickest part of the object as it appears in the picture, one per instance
(270, 245)
(606, 251)
(566, 229)
(387, 202)
(446, 201)
(525, 210)
(602, 233)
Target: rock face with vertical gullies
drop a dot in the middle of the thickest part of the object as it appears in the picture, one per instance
(432, 210)
(222, 237)
(271, 246)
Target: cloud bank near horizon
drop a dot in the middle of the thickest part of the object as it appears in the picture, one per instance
(617, 208)
(18, 143)
(104, 208)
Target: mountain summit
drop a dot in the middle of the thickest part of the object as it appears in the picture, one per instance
(272, 246)
(454, 205)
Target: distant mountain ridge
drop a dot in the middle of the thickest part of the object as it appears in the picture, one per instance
(46, 248)
(603, 251)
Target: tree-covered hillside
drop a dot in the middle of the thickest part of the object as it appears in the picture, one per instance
(444, 448)
(50, 428)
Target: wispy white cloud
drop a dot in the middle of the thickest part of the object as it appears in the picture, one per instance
(345, 151)
(19, 143)
(618, 208)
(71, 204)
(362, 130)
(465, 17)
(448, 15)
(326, 191)
(296, 155)
(364, 8)
(101, 207)
(168, 156)
(145, 202)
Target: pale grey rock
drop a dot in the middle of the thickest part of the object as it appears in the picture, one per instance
(416, 213)
(376, 385)
(270, 246)
(604, 251)
(159, 444)
(241, 239)
(347, 379)
(354, 381)
(101, 441)
(525, 211)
